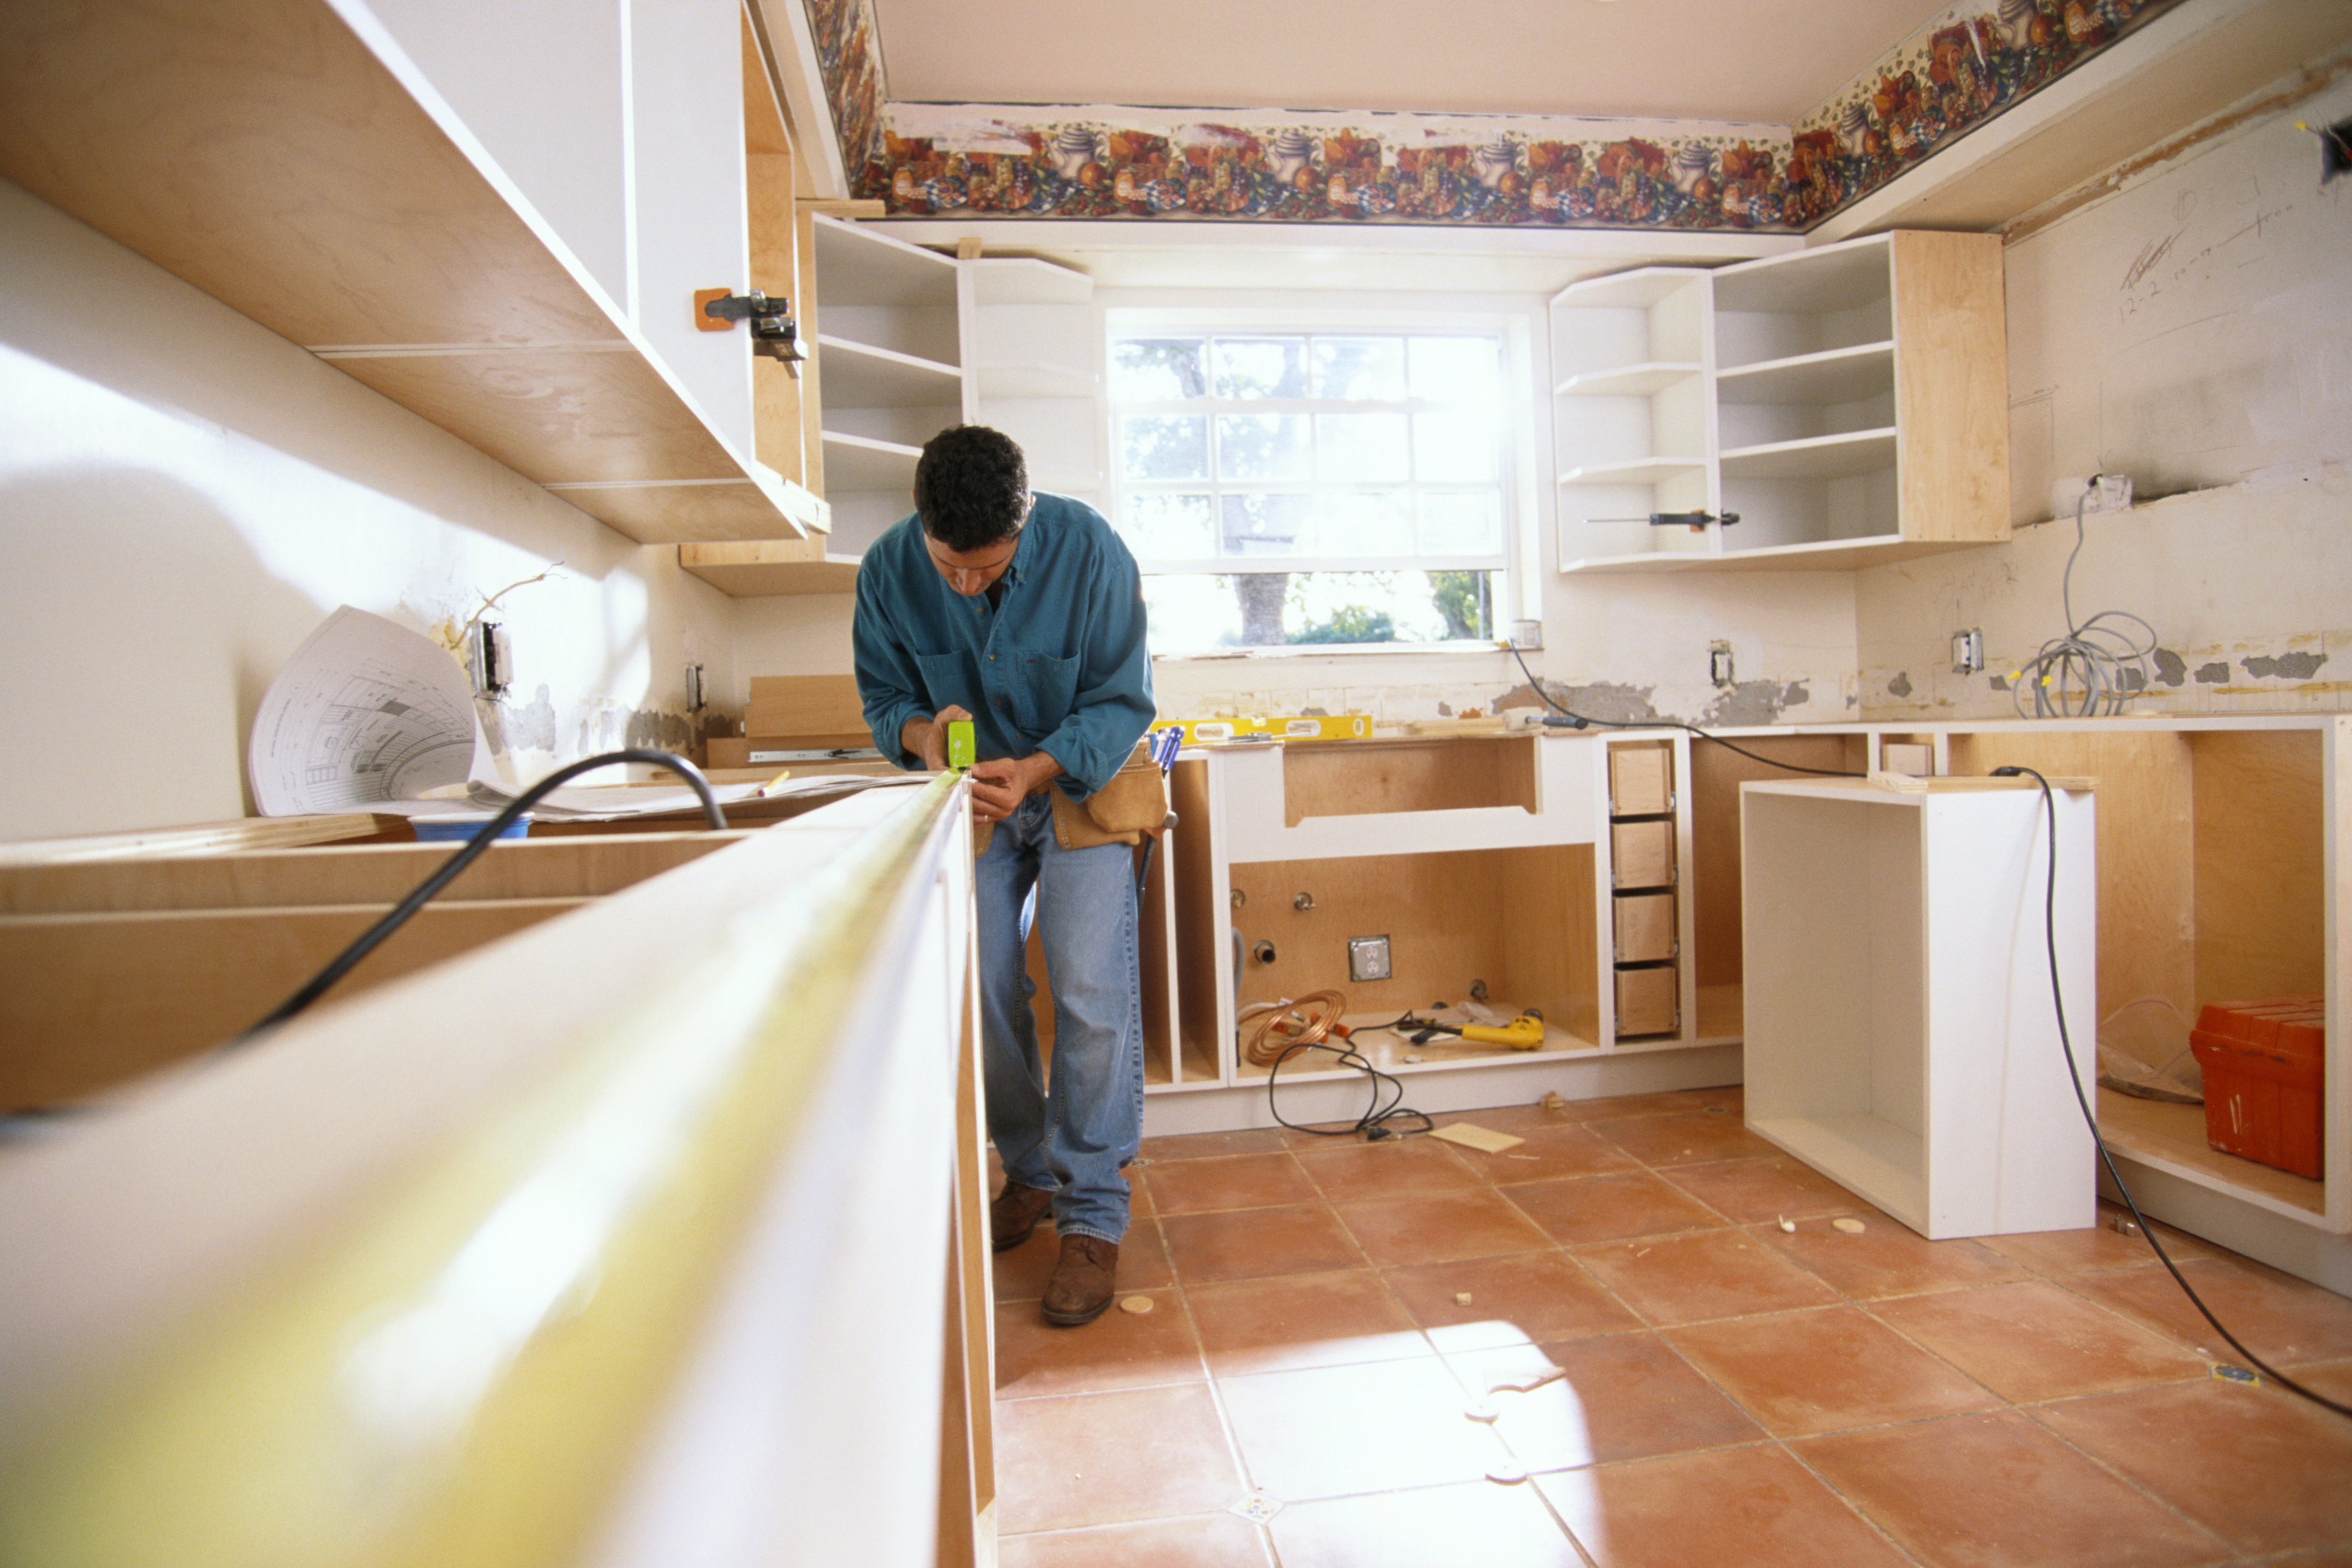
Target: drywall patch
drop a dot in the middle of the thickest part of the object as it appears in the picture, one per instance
(1901, 684)
(1607, 701)
(510, 727)
(1756, 702)
(2283, 667)
(673, 732)
(2212, 674)
(2171, 669)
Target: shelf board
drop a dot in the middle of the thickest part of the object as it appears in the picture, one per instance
(761, 569)
(1643, 286)
(856, 265)
(859, 463)
(1826, 554)
(1815, 458)
(264, 154)
(858, 375)
(1633, 471)
(2172, 1138)
(1834, 375)
(1808, 282)
(1628, 381)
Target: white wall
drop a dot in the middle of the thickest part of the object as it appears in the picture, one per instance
(2192, 330)
(184, 497)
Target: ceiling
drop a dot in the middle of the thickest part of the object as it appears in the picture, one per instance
(1667, 59)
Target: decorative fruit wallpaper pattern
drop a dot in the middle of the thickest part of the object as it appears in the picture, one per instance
(977, 161)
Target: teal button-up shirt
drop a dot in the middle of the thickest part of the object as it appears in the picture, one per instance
(1058, 666)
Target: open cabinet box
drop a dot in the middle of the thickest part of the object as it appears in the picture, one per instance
(114, 968)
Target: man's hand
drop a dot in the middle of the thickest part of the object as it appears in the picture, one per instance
(928, 737)
(1001, 784)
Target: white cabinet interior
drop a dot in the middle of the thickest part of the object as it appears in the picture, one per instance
(1846, 405)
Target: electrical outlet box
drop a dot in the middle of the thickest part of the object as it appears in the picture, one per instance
(1968, 652)
(1527, 635)
(493, 658)
(1718, 663)
(1368, 958)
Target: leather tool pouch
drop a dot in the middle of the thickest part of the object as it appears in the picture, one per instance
(1134, 804)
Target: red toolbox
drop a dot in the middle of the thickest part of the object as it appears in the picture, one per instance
(2263, 1061)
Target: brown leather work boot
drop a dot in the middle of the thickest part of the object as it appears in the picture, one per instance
(1082, 1282)
(1013, 1213)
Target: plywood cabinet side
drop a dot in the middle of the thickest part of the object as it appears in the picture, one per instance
(1952, 397)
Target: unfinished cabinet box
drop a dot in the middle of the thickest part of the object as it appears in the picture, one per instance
(109, 969)
(1633, 420)
(1855, 411)
(1903, 1036)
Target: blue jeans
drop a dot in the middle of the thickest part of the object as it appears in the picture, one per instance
(1070, 1137)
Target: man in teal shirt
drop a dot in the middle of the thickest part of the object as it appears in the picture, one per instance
(1025, 613)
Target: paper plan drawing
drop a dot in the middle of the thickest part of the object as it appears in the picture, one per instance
(366, 716)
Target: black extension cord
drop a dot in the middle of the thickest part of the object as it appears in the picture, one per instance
(2091, 1120)
(1374, 1124)
(343, 962)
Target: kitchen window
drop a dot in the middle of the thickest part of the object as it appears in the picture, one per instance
(1343, 486)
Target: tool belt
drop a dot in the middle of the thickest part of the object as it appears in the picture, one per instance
(1131, 807)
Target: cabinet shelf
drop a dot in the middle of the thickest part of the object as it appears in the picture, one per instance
(1630, 380)
(856, 463)
(1832, 376)
(858, 375)
(1815, 458)
(1634, 471)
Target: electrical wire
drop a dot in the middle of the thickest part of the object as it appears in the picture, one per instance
(2091, 1120)
(1306, 1032)
(1580, 720)
(2089, 666)
(343, 962)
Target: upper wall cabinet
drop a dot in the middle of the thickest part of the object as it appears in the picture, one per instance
(908, 342)
(511, 255)
(1846, 405)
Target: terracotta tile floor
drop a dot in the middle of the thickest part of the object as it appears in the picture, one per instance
(1325, 1311)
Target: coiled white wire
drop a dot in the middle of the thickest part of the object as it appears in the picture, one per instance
(2085, 674)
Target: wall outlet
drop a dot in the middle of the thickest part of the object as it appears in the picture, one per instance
(1368, 958)
(1968, 652)
(493, 658)
(2099, 493)
(1718, 663)
(1527, 635)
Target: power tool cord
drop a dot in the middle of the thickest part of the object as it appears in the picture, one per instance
(2091, 1120)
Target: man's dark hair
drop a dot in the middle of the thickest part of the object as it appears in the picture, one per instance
(971, 487)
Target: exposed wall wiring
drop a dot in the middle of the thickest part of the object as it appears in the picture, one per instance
(2084, 673)
(2091, 1120)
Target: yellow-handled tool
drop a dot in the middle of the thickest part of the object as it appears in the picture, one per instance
(1525, 1032)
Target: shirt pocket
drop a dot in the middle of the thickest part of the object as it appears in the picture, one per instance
(1045, 693)
(951, 678)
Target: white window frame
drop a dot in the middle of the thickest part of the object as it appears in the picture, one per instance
(1517, 581)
